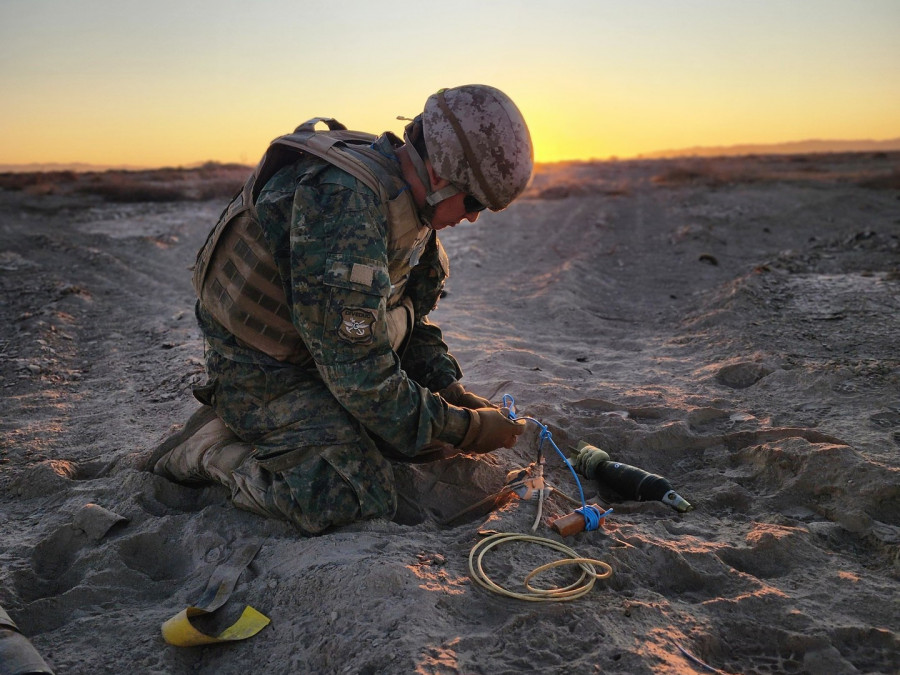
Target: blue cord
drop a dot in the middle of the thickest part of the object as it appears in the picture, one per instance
(592, 514)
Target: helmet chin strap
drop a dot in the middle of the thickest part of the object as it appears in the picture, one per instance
(432, 197)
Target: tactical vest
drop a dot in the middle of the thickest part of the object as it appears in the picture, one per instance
(235, 276)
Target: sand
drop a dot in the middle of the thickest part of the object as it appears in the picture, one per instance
(731, 324)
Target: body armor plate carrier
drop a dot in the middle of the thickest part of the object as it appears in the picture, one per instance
(235, 276)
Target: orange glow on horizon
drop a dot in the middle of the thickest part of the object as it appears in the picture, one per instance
(164, 84)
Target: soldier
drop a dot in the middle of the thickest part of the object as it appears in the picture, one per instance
(315, 289)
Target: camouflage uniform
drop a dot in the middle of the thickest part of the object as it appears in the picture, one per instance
(320, 432)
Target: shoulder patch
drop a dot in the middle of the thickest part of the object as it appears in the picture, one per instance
(357, 325)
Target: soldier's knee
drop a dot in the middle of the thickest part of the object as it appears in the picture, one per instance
(342, 484)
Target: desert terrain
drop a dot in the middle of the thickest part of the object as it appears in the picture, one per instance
(732, 324)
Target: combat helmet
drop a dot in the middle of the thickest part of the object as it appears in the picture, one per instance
(476, 139)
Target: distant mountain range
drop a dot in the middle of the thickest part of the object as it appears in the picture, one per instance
(792, 148)
(83, 167)
(74, 166)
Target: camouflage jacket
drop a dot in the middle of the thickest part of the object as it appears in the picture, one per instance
(312, 214)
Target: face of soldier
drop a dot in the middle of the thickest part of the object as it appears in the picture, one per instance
(451, 212)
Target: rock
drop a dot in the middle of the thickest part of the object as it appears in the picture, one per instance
(741, 375)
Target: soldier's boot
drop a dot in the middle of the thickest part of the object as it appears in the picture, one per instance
(204, 450)
(201, 416)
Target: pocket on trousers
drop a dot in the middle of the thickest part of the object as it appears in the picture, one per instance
(369, 474)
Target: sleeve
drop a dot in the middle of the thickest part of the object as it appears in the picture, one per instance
(427, 358)
(339, 286)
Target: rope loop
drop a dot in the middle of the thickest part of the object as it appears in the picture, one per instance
(593, 516)
(582, 586)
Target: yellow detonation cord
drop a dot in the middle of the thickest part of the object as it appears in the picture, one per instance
(574, 590)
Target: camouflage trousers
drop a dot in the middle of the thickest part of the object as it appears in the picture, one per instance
(311, 462)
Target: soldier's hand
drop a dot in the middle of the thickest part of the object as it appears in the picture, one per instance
(457, 395)
(491, 428)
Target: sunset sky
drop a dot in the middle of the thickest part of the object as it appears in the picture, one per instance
(166, 83)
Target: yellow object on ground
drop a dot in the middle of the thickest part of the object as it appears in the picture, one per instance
(180, 632)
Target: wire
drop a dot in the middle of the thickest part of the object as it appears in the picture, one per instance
(693, 658)
(541, 492)
(540, 511)
(592, 515)
(577, 589)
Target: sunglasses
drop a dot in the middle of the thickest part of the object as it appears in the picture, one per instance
(472, 205)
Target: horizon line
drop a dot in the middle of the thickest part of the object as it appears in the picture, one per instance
(807, 146)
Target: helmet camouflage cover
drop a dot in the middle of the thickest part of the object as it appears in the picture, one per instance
(478, 140)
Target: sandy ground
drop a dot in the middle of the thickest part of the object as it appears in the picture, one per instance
(730, 324)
